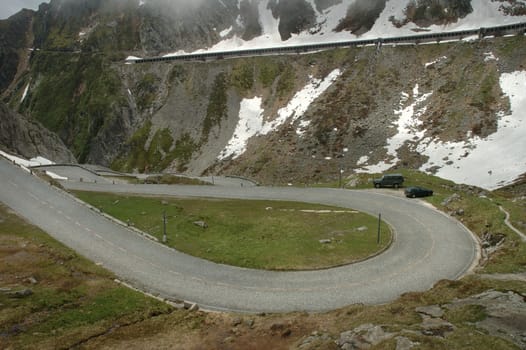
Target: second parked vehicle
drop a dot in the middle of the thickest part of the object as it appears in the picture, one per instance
(416, 191)
(389, 180)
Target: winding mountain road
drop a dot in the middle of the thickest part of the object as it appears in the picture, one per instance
(428, 247)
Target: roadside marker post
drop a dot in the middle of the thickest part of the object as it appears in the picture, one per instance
(164, 226)
(379, 224)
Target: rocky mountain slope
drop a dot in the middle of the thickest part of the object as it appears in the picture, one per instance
(29, 138)
(277, 119)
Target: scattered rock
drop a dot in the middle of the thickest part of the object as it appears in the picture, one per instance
(163, 202)
(492, 239)
(435, 327)
(249, 323)
(201, 224)
(363, 337)
(454, 197)
(116, 202)
(316, 341)
(228, 340)
(236, 322)
(19, 294)
(32, 280)
(505, 314)
(325, 241)
(403, 343)
(459, 212)
(286, 333)
(361, 229)
(277, 327)
(433, 311)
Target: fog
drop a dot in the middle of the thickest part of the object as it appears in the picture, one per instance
(10, 7)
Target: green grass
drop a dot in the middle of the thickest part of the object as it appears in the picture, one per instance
(254, 234)
(481, 213)
(73, 299)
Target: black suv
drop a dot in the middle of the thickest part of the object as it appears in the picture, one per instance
(389, 180)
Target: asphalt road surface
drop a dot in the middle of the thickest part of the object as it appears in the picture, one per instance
(428, 247)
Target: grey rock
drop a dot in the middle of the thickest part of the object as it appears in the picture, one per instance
(403, 343)
(201, 224)
(19, 294)
(433, 311)
(29, 138)
(436, 327)
(454, 197)
(505, 314)
(325, 241)
(32, 280)
(363, 337)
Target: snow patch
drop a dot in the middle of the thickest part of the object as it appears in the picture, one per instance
(55, 176)
(250, 124)
(301, 101)
(24, 95)
(251, 121)
(485, 14)
(26, 163)
(440, 59)
(490, 162)
(489, 56)
(225, 32)
(408, 126)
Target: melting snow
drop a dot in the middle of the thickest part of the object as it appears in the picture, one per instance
(225, 32)
(250, 124)
(27, 163)
(408, 126)
(55, 176)
(436, 61)
(493, 161)
(489, 162)
(251, 121)
(26, 90)
(485, 14)
(301, 101)
(489, 56)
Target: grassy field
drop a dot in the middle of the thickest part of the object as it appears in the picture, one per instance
(75, 303)
(254, 234)
(50, 297)
(476, 208)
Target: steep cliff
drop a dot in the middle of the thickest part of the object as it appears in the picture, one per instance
(299, 118)
(30, 139)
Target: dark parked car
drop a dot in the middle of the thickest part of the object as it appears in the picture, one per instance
(416, 191)
(389, 180)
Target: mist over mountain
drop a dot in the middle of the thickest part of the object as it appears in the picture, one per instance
(278, 119)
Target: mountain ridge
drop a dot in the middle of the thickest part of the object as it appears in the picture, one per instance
(182, 116)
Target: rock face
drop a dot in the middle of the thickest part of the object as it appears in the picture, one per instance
(30, 139)
(180, 117)
(13, 42)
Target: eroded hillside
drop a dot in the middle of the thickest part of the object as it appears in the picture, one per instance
(181, 116)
